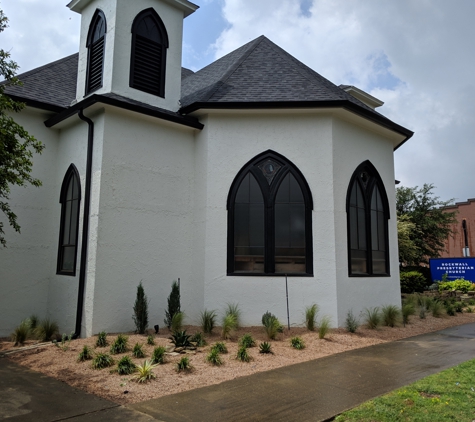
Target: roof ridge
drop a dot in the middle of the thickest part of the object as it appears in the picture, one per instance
(251, 47)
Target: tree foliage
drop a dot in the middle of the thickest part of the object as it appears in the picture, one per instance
(423, 224)
(16, 145)
(140, 316)
(173, 304)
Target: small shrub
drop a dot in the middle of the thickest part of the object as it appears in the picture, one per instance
(459, 284)
(173, 304)
(208, 321)
(180, 339)
(450, 309)
(101, 339)
(85, 354)
(199, 339)
(372, 317)
(407, 310)
(46, 329)
(324, 327)
(158, 355)
(297, 343)
(265, 348)
(65, 341)
(183, 364)
(33, 322)
(351, 323)
(422, 312)
(102, 360)
(233, 309)
(214, 358)
(138, 351)
(390, 315)
(119, 345)
(242, 355)
(140, 316)
(469, 310)
(458, 307)
(272, 325)
(310, 316)
(471, 302)
(220, 347)
(21, 333)
(229, 325)
(145, 372)
(177, 322)
(437, 309)
(412, 281)
(150, 340)
(247, 341)
(125, 366)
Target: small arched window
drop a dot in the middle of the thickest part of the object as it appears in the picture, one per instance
(68, 234)
(270, 219)
(149, 53)
(367, 219)
(96, 39)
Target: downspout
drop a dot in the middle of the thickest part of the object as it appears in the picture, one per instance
(85, 224)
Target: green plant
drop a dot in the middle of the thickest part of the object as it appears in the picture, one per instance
(297, 343)
(65, 341)
(437, 309)
(180, 339)
(471, 302)
(265, 348)
(242, 355)
(412, 281)
(229, 325)
(102, 360)
(459, 284)
(33, 322)
(324, 327)
(310, 316)
(469, 310)
(173, 304)
(140, 316)
(422, 312)
(450, 309)
(46, 329)
(125, 366)
(390, 315)
(220, 347)
(407, 310)
(138, 351)
(119, 345)
(233, 309)
(85, 354)
(272, 325)
(150, 340)
(351, 323)
(247, 341)
(145, 372)
(177, 322)
(158, 355)
(183, 364)
(199, 339)
(372, 317)
(21, 333)
(214, 358)
(208, 321)
(458, 306)
(101, 339)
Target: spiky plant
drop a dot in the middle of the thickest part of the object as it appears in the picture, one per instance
(150, 340)
(437, 309)
(140, 316)
(85, 354)
(208, 321)
(297, 343)
(21, 333)
(138, 351)
(407, 310)
(102, 360)
(310, 316)
(199, 339)
(184, 364)
(180, 339)
(390, 315)
(119, 345)
(177, 322)
(242, 355)
(372, 317)
(46, 329)
(324, 327)
(33, 322)
(233, 309)
(229, 325)
(173, 304)
(145, 372)
(158, 355)
(101, 339)
(351, 323)
(265, 348)
(247, 341)
(220, 347)
(214, 358)
(125, 366)
(272, 325)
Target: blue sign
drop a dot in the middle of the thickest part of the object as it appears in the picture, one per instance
(454, 268)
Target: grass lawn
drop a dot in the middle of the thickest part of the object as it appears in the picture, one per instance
(447, 396)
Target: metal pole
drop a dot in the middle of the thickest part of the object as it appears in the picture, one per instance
(287, 295)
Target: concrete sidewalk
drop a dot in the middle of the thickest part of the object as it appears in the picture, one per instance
(310, 391)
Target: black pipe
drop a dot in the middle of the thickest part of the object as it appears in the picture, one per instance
(85, 224)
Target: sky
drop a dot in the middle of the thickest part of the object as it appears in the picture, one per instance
(415, 55)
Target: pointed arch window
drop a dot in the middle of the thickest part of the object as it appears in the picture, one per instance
(149, 53)
(367, 219)
(269, 219)
(70, 199)
(96, 40)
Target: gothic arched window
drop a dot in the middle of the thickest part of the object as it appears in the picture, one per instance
(270, 219)
(96, 39)
(367, 218)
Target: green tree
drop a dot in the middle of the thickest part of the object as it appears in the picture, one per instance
(16, 145)
(424, 225)
(140, 316)
(173, 304)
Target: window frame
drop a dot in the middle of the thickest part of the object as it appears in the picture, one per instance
(367, 192)
(97, 17)
(269, 192)
(71, 173)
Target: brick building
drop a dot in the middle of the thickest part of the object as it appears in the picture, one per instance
(463, 241)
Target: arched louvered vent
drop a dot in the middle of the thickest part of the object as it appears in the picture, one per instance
(96, 44)
(149, 44)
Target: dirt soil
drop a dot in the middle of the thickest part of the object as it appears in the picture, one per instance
(63, 365)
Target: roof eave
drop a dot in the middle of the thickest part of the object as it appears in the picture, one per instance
(37, 104)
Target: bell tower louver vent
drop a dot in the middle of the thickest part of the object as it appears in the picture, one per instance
(95, 45)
